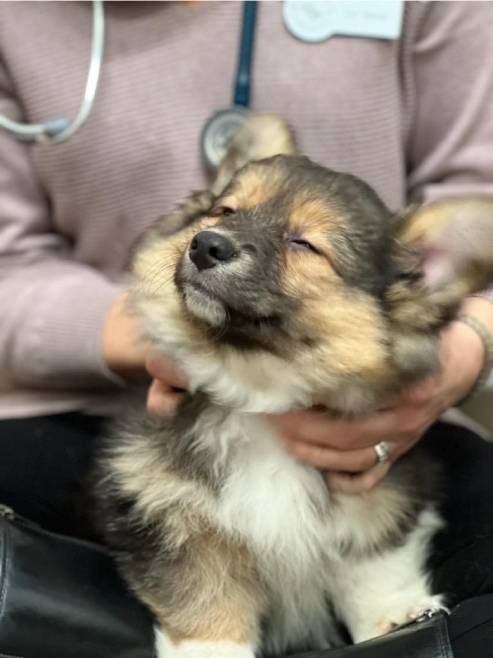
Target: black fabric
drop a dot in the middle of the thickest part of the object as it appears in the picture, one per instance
(466, 633)
(61, 597)
(471, 628)
(426, 639)
(43, 465)
(462, 560)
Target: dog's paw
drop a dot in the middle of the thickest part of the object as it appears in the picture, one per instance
(428, 606)
(407, 614)
(392, 616)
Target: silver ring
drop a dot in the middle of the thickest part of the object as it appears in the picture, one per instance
(382, 452)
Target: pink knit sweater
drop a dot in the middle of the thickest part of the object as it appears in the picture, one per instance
(413, 117)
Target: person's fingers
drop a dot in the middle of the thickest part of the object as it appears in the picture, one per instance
(357, 484)
(161, 399)
(351, 461)
(338, 433)
(166, 371)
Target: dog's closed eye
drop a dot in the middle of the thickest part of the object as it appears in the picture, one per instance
(222, 211)
(300, 244)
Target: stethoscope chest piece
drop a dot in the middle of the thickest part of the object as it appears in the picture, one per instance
(218, 132)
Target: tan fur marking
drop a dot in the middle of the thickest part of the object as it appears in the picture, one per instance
(312, 217)
(346, 324)
(224, 600)
(256, 185)
(354, 332)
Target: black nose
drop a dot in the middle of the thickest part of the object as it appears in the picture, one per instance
(209, 248)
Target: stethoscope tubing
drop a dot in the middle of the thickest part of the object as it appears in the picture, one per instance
(242, 86)
(60, 129)
(93, 76)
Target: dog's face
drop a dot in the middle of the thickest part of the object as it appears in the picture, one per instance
(296, 272)
(288, 247)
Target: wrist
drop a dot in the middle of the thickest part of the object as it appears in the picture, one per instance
(487, 341)
(478, 312)
(122, 350)
(462, 359)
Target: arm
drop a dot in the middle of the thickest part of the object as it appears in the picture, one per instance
(53, 308)
(447, 72)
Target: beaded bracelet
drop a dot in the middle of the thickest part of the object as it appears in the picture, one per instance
(487, 340)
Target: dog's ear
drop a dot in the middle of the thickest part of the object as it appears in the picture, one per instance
(261, 136)
(444, 252)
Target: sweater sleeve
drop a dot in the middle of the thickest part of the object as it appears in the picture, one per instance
(448, 89)
(52, 308)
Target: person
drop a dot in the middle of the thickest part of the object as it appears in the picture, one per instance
(411, 116)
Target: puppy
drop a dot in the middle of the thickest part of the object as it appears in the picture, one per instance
(294, 286)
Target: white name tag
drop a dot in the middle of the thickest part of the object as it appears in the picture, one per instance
(317, 20)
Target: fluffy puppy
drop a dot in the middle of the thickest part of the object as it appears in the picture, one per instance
(295, 286)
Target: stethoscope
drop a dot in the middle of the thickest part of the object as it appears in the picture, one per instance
(217, 131)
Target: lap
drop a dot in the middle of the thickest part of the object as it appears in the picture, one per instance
(45, 460)
(43, 464)
(462, 560)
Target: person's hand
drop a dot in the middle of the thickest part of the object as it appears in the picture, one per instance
(167, 387)
(344, 449)
(123, 350)
(127, 355)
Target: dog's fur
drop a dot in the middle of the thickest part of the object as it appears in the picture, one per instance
(329, 299)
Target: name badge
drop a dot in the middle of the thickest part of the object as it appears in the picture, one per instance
(317, 20)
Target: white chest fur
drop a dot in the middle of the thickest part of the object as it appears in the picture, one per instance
(278, 507)
(271, 500)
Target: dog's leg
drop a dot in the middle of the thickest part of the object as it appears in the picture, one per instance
(378, 593)
(222, 624)
(221, 629)
(208, 603)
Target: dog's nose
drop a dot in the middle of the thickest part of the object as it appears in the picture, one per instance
(208, 248)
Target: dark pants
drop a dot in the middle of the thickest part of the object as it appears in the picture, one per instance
(44, 464)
